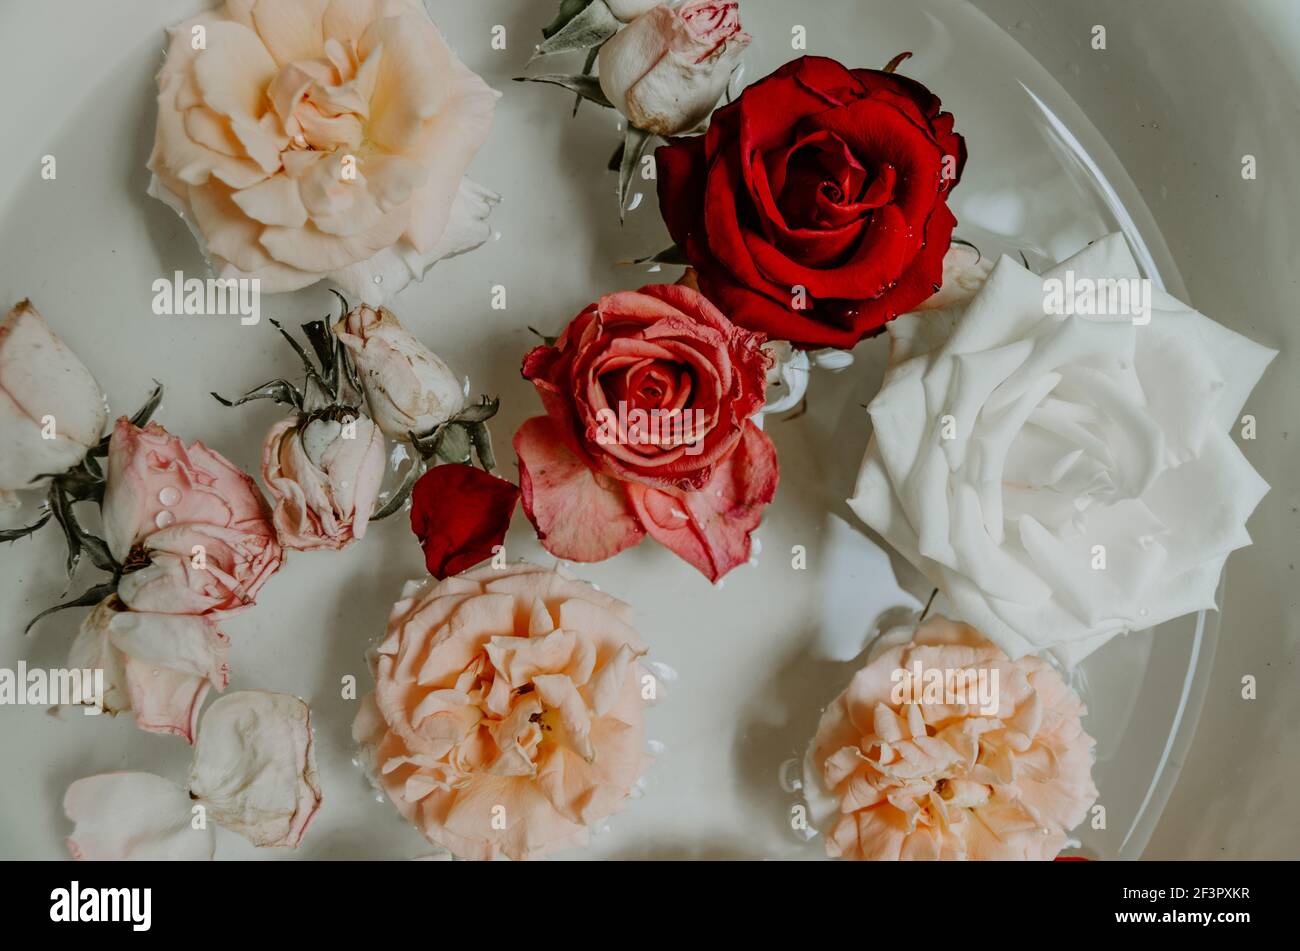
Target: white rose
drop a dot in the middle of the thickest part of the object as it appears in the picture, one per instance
(1014, 451)
(44, 390)
(667, 69)
(408, 388)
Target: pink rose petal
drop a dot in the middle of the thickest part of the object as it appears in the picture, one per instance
(133, 816)
(255, 767)
(579, 515)
(710, 528)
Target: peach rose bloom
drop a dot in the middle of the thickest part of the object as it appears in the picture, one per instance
(310, 139)
(192, 529)
(507, 715)
(946, 781)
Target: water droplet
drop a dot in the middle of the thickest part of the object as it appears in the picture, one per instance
(164, 518)
(790, 776)
(169, 495)
(378, 278)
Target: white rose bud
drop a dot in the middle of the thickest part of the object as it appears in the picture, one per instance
(667, 69)
(51, 409)
(409, 389)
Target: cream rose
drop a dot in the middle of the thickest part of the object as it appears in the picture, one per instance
(323, 474)
(45, 391)
(668, 68)
(908, 767)
(310, 139)
(507, 716)
(1063, 479)
(408, 387)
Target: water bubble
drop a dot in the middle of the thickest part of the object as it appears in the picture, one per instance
(169, 495)
(378, 278)
(790, 776)
(164, 518)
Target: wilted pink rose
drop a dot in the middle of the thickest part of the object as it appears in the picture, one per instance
(668, 68)
(192, 529)
(998, 768)
(44, 389)
(160, 666)
(408, 387)
(323, 476)
(310, 139)
(507, 715)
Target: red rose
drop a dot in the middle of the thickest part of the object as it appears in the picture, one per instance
(815, 208)
(648, 397)
(460, 514)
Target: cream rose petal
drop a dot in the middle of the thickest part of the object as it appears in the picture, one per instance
(134, 816)
(255, 767)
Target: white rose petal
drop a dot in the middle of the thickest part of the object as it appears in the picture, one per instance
(135, 816)
(1009, 445)
(255, 767)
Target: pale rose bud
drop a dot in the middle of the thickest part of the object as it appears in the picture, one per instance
(408, 388)
(668, 68)
(629, 10)
(45, 391)
(323, 479)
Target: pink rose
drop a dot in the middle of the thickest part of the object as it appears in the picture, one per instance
(323, 476)
(901, 769)
(507, 715)
(191, 529)
(158, 665)
(310, 139)
(668, 68)
(43, 388)
(649, 398)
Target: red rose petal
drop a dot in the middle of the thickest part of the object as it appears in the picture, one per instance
(578, 514)
(460, 514)
(710, 528)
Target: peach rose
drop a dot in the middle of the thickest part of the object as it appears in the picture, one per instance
(507, 714)
(40, 380)
(192, 529)
(951, 780)
(323, 481)
(310, 139)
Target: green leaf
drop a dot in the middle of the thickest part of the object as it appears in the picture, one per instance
(587, 67)
(453, 443)
(568, 10)
(91, 596)
(482, 440)
(282, 391)
(634, 143)
(591, 27)
(673, 255)
(403, 492)
(480, 412)
(13, 534)
(588, 87)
